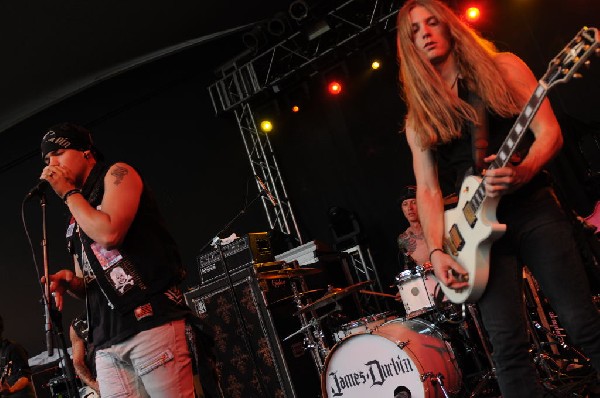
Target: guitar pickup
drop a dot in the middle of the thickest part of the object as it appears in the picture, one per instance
(470, 213)
(455, 241)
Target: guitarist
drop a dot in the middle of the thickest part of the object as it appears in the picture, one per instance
(442, 61)
(15, 374)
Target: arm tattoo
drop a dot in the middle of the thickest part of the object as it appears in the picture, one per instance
(119, 173)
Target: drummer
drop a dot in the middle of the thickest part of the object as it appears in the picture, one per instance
(413, 249)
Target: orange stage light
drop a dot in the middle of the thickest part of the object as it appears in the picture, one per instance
(335, 88)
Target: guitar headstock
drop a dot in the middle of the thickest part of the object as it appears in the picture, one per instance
(565, 65)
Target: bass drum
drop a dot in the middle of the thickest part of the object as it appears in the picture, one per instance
(401, 358)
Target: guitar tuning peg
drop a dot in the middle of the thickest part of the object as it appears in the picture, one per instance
(587, 63)
(577, 75)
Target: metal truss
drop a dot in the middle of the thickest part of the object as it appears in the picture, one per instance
(363, 269)
(264, 166)
(342, 26)
(338, 27)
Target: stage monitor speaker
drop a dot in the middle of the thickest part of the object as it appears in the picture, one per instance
(250, 359)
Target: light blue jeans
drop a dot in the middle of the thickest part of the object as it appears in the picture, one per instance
(153, 363)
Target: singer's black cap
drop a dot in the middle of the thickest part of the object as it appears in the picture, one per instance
(68, 136)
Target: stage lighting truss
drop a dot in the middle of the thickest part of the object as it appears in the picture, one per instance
(344, 25)
(339, 27)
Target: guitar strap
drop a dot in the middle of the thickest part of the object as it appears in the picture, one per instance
(479, 133)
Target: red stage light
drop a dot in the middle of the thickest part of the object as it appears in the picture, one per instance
(295, 108)
(335, 88)
(473, 14)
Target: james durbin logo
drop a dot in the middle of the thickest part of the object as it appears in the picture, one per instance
(374, 373)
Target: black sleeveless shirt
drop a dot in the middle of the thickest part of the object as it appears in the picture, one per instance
(455, 159)
(132, 288)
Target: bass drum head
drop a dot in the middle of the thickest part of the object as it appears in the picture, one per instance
(398, 356)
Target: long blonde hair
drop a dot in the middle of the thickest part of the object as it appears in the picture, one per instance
(435, 114)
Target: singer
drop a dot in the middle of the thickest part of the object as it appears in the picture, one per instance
(126, 265)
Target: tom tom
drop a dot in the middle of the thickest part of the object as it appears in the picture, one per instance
(399, 356)
(418, 290)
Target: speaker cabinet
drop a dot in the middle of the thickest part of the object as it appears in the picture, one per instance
(250, 358)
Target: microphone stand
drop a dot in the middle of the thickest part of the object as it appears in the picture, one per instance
(47, 301)
(217, 243)
(53, 317)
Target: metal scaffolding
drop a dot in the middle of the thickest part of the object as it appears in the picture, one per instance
(242, 79)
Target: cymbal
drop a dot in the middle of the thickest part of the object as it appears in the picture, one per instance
(287, 273)
(299, 294)
(333, 297)
(269, 264)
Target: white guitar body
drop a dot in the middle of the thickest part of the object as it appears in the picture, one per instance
(473, 250)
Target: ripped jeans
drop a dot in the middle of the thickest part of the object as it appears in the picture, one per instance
(153, 363)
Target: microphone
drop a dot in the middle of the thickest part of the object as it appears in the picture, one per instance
(266, 191)
(39, 188)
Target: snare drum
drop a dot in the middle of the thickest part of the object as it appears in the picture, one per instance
(400, 355)
(418, 289)
(362, 325)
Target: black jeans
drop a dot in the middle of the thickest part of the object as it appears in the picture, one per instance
(539, 236)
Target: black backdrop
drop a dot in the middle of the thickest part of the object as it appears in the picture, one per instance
(338, 151)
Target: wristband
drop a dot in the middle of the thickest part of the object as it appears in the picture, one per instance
(69, 193)
(435, 250)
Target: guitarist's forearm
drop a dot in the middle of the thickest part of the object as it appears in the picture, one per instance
(543, 149)
(431, 214)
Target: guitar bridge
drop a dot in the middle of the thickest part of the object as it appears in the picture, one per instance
(470, 213)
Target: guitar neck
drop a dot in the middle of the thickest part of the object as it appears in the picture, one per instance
(510, 144)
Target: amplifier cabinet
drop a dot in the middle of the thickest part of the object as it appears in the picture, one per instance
(249, 357)
(252, 248)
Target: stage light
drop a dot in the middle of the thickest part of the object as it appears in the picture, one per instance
(266, 126)
(375, 65)
(472, 14)
(298, 10)
(334, 88)
(295, 109)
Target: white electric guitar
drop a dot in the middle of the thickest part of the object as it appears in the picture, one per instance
(472, 227)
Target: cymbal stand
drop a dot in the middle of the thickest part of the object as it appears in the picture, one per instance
(313, 340)
(490, 375)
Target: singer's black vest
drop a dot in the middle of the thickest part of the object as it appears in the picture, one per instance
(145, 265)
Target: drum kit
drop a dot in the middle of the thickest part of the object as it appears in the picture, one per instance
(435, 349)
(384, 354)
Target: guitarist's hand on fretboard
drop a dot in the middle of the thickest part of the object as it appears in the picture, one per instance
(503, 180)
(448, 271)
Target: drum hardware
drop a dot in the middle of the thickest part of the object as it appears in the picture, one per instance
(287, 273)
(377, 293)
(332, 297)
(563, 369)
(298, 295)
(313, 340)
(313, 322)
(367, 324)
(439, 379)
(488, 377)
